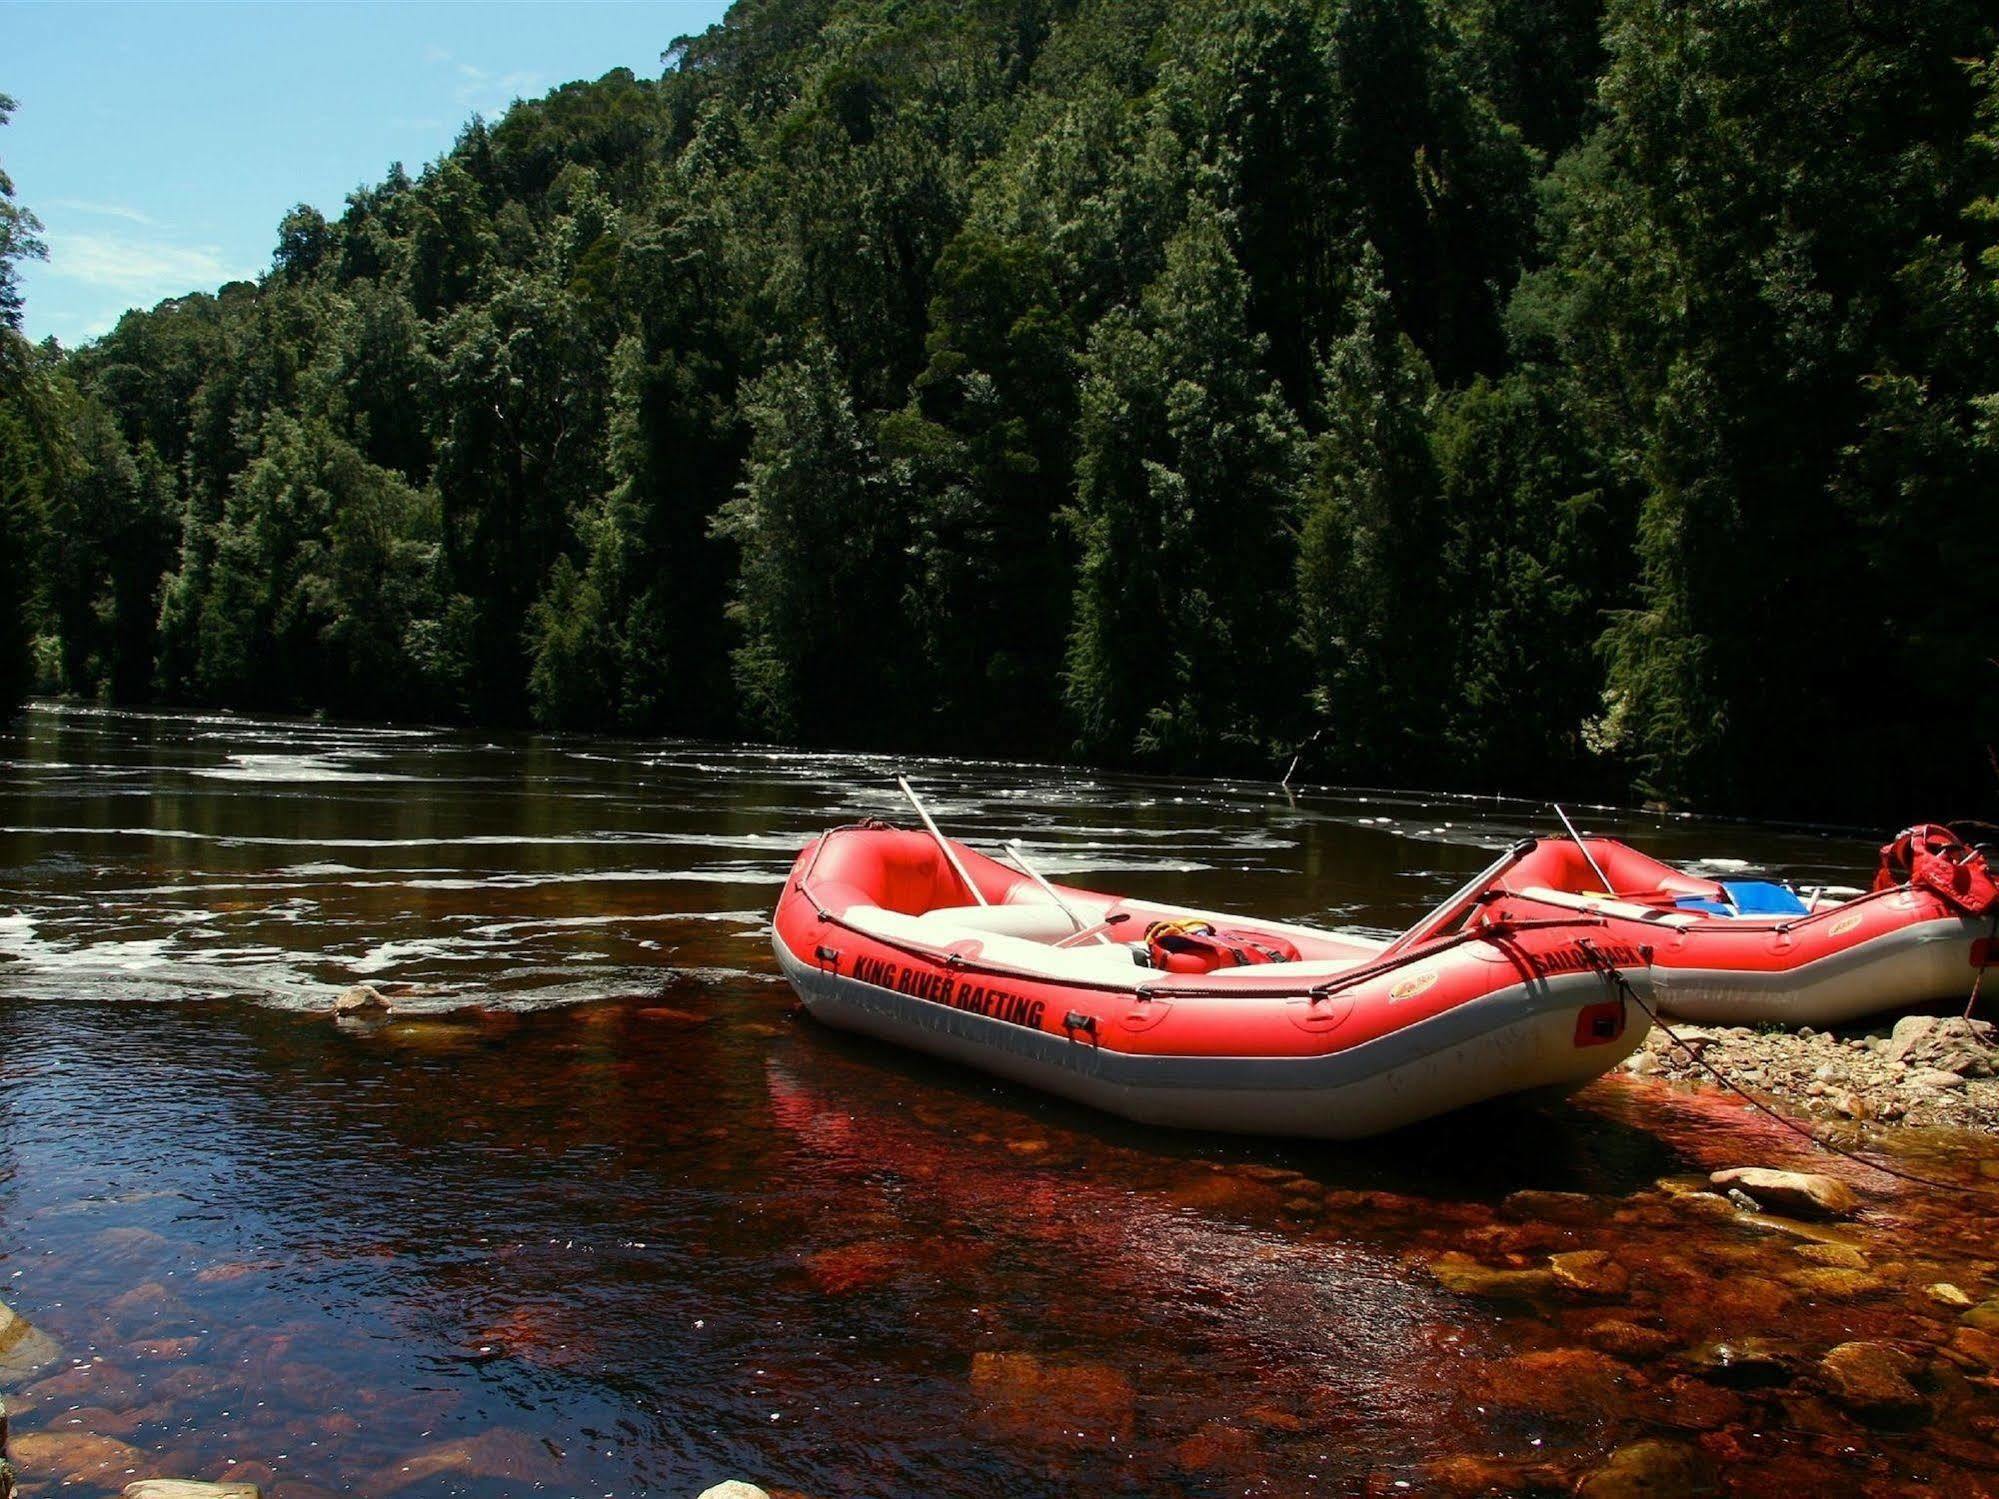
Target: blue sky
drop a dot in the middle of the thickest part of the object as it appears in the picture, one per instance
(160, 143)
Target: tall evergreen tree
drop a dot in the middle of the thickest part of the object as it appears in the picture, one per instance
(1186, 481)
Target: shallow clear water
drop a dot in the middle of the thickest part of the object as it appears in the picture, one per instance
(609, 1219)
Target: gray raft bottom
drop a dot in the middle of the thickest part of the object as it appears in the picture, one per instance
(1515, 1040)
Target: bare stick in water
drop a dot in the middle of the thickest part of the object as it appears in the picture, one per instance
(950, 857)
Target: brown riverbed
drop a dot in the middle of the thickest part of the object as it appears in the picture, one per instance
(593, 1228)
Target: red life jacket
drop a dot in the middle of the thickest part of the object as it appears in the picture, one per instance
(1931, 857)
(1200, 947)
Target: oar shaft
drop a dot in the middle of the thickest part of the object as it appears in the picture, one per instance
(1602, 878)
(1455, 904)
(1081, 926)
(943, 843)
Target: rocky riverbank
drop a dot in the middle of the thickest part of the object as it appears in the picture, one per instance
(1921, 1070)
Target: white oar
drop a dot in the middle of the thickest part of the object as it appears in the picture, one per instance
(1081, 926)
(1602, 878)
(1458, 902)
(950, 857)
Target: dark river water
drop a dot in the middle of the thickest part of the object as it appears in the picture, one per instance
(598, 1215)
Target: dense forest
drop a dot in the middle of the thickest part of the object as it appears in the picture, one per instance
(1492, 394)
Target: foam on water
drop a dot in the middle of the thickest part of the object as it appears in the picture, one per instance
(281, 861)
(287, 768)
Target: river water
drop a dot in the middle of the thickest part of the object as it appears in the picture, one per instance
(598, 1214)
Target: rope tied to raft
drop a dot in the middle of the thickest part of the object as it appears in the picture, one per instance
(1981, 962)
(1615, 975)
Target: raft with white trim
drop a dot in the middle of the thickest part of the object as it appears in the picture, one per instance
(1745, 952)
(1296, 1032)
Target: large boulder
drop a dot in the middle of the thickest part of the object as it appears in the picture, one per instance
(733, 1488)
(1791, 1191)
(1946, 1043)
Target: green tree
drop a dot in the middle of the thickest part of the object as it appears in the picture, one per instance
(819, 586)
(20, 239)
(1375, 608)
(1186, 482)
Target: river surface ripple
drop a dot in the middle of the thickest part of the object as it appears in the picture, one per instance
(598, 1215)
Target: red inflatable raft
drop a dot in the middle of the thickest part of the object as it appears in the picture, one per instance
(1740, 952)
(1178, 1017)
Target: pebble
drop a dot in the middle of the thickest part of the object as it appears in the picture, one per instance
(1929, 1071)
(1943, 1293)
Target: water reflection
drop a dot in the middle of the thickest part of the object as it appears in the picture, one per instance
(592, 1236)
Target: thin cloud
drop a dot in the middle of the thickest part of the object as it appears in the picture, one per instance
(141, 269)
(105, 210)
(481, 88)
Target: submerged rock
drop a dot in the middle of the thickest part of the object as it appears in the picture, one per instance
(1590, 1272)
(1550, 1207)
(733, 1488)
(24, 1348)
(1943, 1293)
(76, 1456)
(1838, 1256)
(1628, 1340)
(189, 1488)
(1030, 1395)
(1456, 1271)
(1569, 1382)
(1466, 1476)
(496, 1453)
(1871, 1378)
(1984, 1316)
(1744, 1363)
(682, 1020)
(1793, 1191)
(1828, 1280)
(1978, 1349)
(1649, 1468)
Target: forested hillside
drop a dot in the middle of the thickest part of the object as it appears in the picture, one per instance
(1513, 394)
